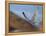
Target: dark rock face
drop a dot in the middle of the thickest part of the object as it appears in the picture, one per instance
(17, 23)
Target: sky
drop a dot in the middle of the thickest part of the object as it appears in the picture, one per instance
(27, 9)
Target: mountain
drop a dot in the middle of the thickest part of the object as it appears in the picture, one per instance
(19, 23)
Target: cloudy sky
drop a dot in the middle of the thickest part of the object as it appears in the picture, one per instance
(27, 9)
